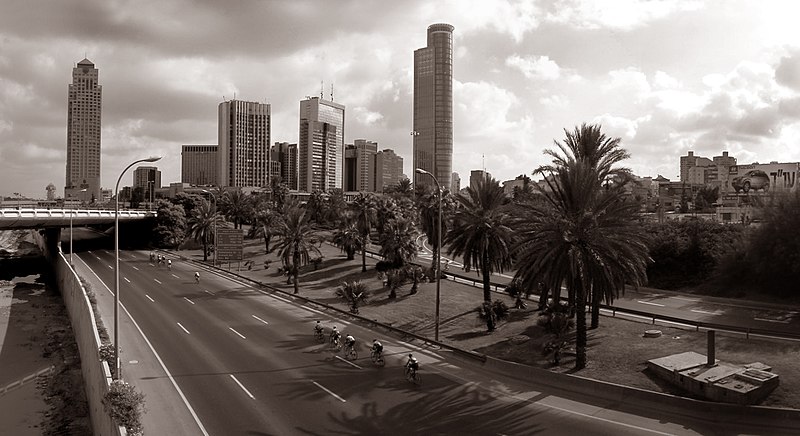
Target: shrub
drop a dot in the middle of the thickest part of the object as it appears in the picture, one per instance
(125, 405)
(385, 265)
(491, 312)
(555, 319)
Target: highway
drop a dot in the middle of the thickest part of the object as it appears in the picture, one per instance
(246, 363)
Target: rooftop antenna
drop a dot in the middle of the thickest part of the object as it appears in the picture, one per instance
(483, 162)
(321, 89)
(331, 91)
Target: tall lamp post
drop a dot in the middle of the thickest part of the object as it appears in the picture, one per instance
(117, 368)
(71, 211)
(214, 197)
(438, 251)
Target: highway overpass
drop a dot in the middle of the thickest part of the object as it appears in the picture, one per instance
(51, 218)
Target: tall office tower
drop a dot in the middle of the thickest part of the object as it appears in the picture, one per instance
(321, 159)
(51, 191)
(476, 175)
(199, 165)
(83, 133)
(433, 106)
(149, 179)
(244, 139)
(359, 166)
(455, 183)
(287, 156)
(388, 169)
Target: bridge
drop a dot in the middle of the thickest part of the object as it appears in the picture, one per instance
(58, 218)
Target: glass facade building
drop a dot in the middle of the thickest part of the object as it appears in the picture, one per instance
(433, 106)
(321, 145)
(83, 134)
(244, 142)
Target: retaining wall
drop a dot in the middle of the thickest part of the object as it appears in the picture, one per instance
(96, 373)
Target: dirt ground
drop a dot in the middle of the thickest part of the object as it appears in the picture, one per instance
(617, 351)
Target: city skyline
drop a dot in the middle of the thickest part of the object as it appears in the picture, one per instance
(666, 77)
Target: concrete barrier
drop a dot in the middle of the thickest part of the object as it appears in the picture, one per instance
(96, 373)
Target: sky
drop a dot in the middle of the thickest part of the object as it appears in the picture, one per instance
(665, 77)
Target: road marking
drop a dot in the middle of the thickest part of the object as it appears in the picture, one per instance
(209, 292)
(157, 281)
(173, 275)
(260, 319)
(280, 298)
(329, 391)
(241, 335)
(137, 269)
(348, 362)
(242, 386)
(184, 328)
(705, 312)
(188, 300)
(110, 267)
(148, 297)
(652, 304)
(782, 321)
(686, 299)
(126, 279)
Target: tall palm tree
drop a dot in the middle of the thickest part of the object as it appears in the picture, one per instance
(427, 202)
(265, 223)
(201, 225)
(480, 232)
(364, 209)
(236, 206)
(349, 239)
(398, 242)
(403, 188)
(583, 234)
(298, 241)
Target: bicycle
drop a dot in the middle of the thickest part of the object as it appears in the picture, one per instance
(412, 375)
(377, 358)
(319, 335)
(197, 277)
(350, 353)
(336, 343)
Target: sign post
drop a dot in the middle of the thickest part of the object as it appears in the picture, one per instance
(229, 245)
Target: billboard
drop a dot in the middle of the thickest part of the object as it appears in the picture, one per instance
(762, 178)
(229, 245)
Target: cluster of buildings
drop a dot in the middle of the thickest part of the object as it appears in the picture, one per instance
(245, 156)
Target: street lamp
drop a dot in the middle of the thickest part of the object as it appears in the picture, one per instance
(71, 211)
(438, 251)
(214, 197)
(117, 368)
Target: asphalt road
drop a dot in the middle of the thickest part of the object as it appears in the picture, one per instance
(247, 364)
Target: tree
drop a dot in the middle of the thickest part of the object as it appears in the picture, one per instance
(298, 240)
(316, 207)
(364, 211)
(349, 239)
(170, 225)
(403, 188)
(265, 223)
(414, 274)
(398, 242)
(428, 206)
(584, 235)
(201, 225)
(354, 292)
(480, 233)
(279, 192)
(335, 206)
(236, 206)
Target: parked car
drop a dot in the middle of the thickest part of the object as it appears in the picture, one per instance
(753, 179)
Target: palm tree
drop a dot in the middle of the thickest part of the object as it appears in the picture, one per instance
(201, 225)
(403, 188)
(298, 241)
(265, 223)
(349, 239)
(354, 292)
(236, 206)
(480, 233)
(427, 202)
(584, 234)
(364, 211)
(398, 242)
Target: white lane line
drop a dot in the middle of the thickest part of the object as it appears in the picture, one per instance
(137, 269)
(329, 391)
(348, 362)
(240, 335)
(686, 299)
(188, 300)
(280, 298)
(260, 319)
(148, 297)
(173, 275)
(782, 321)
(126, 279)
(652, 304)
(208, 292)
(110, 267)
(160, 362)
(242, 386)
(156, 280)
(705, 312)
(184, 328)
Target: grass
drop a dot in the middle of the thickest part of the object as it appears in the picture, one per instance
(617, 350)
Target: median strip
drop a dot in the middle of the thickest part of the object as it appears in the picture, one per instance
(329, 391)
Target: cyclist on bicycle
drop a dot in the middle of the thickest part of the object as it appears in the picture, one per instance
(318, 328)
(412, 365)
(350, 341)
(377, 347)
(335, 335)
(197, 277)
(169, 263)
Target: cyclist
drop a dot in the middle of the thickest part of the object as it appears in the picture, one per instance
(196, 277)
(335, 336)
(377, 347)
(169, 264)
(349, 341)
(317, 328)
(412, 366)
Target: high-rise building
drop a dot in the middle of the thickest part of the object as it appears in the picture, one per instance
(321, 145)
(359, 166)
(475, 176)
(287, 156)
(84, 106)
(433, 106)
(388, 169)
(148, 179)
(199, 165)
(51, 191)
(244, 143)
(455, 183)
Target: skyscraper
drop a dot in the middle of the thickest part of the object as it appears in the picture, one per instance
(148, 179)
(388, 169)
(287, 156)
(433, 106)
(321, 145)
(244, 139)
(83, 133)
(199, 165)
(359, 166)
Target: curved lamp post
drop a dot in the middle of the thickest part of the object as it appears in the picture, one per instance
(117, 368)
(438, 251)
(214, 197)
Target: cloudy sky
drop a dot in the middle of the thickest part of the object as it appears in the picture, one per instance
(665, 76)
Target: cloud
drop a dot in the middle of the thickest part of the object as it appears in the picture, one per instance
(619, 14)
(788, 71)
(535, 67)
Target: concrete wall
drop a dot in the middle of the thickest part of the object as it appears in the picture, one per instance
(96, 374)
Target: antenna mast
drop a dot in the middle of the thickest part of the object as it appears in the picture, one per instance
(321, 89)
(331, 91)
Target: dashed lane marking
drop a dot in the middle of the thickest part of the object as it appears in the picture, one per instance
(156, 280)
(348, 362)
(126, 279)
(329, 391)
(149, 298)
(652, 304)
(173, 275)
(137, 269)
(242, 386)
(188, 300)
(240, 335)
(184, 328)
(260, 319)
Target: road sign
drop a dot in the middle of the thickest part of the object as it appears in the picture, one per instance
(229, 245)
